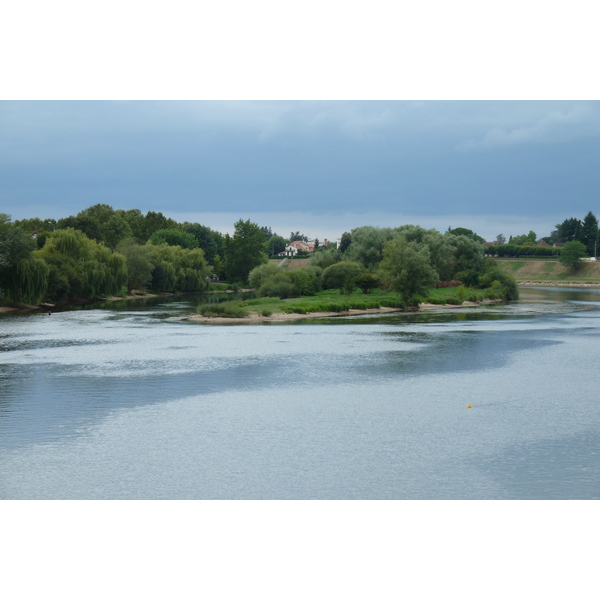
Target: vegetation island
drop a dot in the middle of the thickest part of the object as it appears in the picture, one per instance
(106, 253)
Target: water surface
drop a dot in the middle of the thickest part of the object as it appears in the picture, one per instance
(131, 402)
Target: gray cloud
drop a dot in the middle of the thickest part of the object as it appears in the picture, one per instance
(579, 121)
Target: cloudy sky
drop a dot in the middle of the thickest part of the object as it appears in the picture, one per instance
(321, 167)
(318, 120)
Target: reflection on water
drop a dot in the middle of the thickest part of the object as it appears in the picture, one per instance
(133, 402)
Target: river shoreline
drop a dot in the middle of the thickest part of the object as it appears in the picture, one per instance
(48, 306)
(281, 317)
(568, 284)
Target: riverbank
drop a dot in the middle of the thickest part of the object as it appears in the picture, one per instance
(281, 317)
(543, 273)
(48, 306)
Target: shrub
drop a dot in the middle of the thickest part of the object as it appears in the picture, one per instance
(260, 274)
(277, 286)
(255, 301)
(265, 312)
(232, 309)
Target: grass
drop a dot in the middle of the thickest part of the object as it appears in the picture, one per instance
(551, 270)
(334, 301)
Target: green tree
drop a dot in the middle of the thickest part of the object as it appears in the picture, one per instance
(406, 269)
(492, 276)
(154, 221)
(260, 274)
(275, 244)
(244, 250)
(589, 233)
(178, 269)
(173, 237)
(306, 281)
(209, 240)
(467, 233)
(139, 265)
(367, 282)
(572, 253)
(441, 251)
(567, 231)
(101, 223)
(341, 275)
(80, 267)
(345, 241)
(296, 236)
(367, 245)
(325, 258)
(21, 277)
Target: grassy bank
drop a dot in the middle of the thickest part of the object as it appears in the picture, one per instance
(332, 301)
(542, 272)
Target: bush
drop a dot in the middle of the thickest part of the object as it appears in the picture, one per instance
(305, 281)
(341, 276)
(260, 274)
(278, 286)
(255, 301)
(233, 309)
(265, 312)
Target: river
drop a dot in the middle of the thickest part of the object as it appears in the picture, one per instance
(129, 401)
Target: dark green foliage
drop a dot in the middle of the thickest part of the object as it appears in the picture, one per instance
(173, 237)
(244, 250)
(297, 237)
(275, 245)
(15, 246)
(28, 281)
(513, 251)
(589, 233)
(100, 223)
(367, 282)
(278, 285)
(341, 276)
(306, 281)
(567, 231)
(139, 264)
(325, 258)
(345, 241)
(81, 268)
(210, 241)
(571, 254)
(260, 274)
(177, 269)
(406, 269)
(367, 245)
(502, 283)
(469, 233)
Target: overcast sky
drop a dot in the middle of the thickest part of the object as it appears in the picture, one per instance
(321, 167)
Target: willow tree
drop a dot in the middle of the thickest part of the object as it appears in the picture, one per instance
(22, 279)
(80, 267)
(28, 281)
(178, 269)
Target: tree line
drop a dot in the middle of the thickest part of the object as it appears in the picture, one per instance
(407, 259)
(101, 252)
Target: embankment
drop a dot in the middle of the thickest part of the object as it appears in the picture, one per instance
(552, 273)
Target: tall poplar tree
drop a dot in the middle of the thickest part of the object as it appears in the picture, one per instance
(244, 250)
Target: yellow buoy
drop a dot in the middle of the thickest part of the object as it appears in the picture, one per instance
(469, 406)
